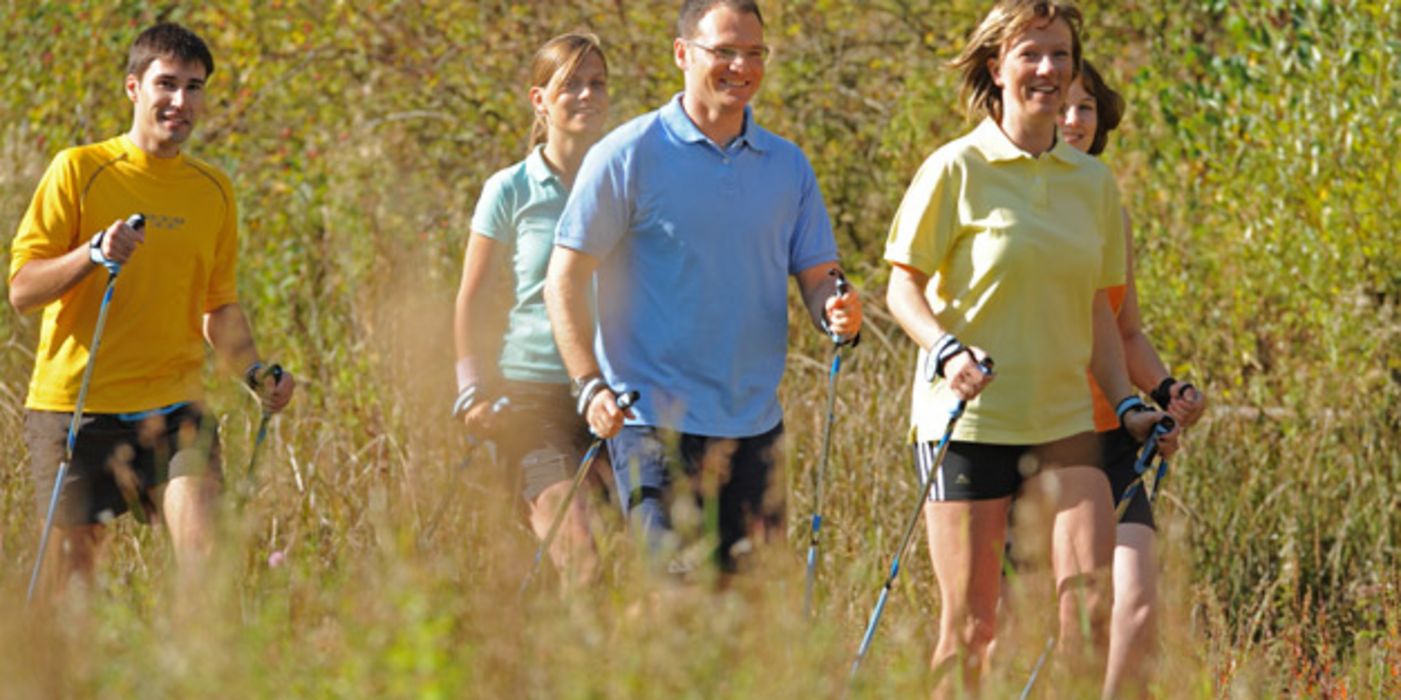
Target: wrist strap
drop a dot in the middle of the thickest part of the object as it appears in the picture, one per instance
(465, 399)
(1162, 394)
(253, 374)
(586, 394)
(939, 353)
(1130, 404)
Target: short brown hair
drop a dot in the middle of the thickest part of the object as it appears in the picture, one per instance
(1007, 20)
(693, 10)
(1109, 106)
(167, 40)
(554, 64)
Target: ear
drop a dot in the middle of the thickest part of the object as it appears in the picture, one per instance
(993, 64)
(678, 50)
(132, 83)
(537, 99)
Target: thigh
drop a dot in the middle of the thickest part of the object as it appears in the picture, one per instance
(965, 546)
(1074, 492)
(187, 446)
(104, 449)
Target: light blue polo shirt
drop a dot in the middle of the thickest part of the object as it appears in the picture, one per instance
(696, 244)
(519, 208)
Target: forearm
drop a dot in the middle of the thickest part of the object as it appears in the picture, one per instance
(229, 334)
(817, 284)
(41, 282)
(1146, 369)
(482, 257)
(1107, 354)
(905, 298)
(566, 302)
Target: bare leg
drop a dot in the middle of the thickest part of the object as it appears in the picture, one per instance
(72, 553)
(965, 544)
(1074, 492)
(1132, 634)
(573, 550)
(187, 507)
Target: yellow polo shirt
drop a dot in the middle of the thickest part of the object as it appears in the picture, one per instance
(1015, 247)
(152, 348)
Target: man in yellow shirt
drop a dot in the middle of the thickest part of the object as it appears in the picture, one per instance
(143, 443)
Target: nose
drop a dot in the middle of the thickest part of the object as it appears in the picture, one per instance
(1046, 66)
(177, 98)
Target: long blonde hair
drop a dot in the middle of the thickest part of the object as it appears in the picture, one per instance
(1005, 22)
(552, 67)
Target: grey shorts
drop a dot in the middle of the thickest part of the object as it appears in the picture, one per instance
(117, 461)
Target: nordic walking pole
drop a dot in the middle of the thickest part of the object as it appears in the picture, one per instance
(813, 538)
(928, 483)
(275, 371)
(624, 402)
(138, 222)
(1036, 670)
(473, 444)
(1145, 460)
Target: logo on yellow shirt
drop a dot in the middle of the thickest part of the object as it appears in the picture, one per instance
(168, 223)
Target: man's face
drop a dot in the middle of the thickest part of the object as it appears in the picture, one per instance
(724, 61)
(167, 100)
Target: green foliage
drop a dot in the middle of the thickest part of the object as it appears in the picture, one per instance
(1258, 164)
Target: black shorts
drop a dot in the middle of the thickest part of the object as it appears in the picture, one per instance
(117, 461)
(1120, 453)
(543, 439)
(974, 471)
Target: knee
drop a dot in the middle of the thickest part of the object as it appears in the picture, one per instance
(1085, 596)
(1134, 609)
(973, 632)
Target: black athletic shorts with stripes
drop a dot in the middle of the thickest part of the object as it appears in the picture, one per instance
(974, 471)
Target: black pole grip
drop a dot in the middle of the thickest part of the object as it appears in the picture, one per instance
(137, 221)
(629, 398)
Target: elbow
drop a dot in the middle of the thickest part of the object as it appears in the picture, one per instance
(23, 303)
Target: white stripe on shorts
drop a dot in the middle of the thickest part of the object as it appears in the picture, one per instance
(924, 461)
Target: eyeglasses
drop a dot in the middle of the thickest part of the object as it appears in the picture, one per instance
(730, 54)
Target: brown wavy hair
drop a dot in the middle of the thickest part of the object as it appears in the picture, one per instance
(1109, 106)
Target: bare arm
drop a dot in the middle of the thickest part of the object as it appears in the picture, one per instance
(819, 289)
(1107, 366)
(567, 303)
(905, 297)
(482, 258)
(1146, 368)
(228, 332)
(41, 282)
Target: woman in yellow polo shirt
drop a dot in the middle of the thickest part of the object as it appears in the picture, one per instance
(543, 438)
(1000, 248)
(1092, 111)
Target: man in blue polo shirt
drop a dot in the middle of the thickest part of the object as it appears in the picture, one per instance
(693, 218)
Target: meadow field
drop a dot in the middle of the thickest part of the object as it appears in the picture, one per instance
(1259, 163)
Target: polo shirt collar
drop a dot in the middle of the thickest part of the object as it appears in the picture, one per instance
(996, 147)
(537, 168)
(674, 116)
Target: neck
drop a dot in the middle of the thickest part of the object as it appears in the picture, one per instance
(1033, 135)
(159, 149)
(720, 126)
(564, 153)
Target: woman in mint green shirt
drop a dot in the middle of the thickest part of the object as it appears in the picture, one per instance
(513, 230)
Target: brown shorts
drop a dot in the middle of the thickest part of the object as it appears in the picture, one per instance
(117, 461)
(542, 439)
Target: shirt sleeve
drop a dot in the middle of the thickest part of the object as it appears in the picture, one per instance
(927, 221)
(1111, 215)
(599, 209)
(223, 279)
(50, 226)
(492, 217)
(812, 242)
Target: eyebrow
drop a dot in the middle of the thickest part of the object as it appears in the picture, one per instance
(172, 76)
